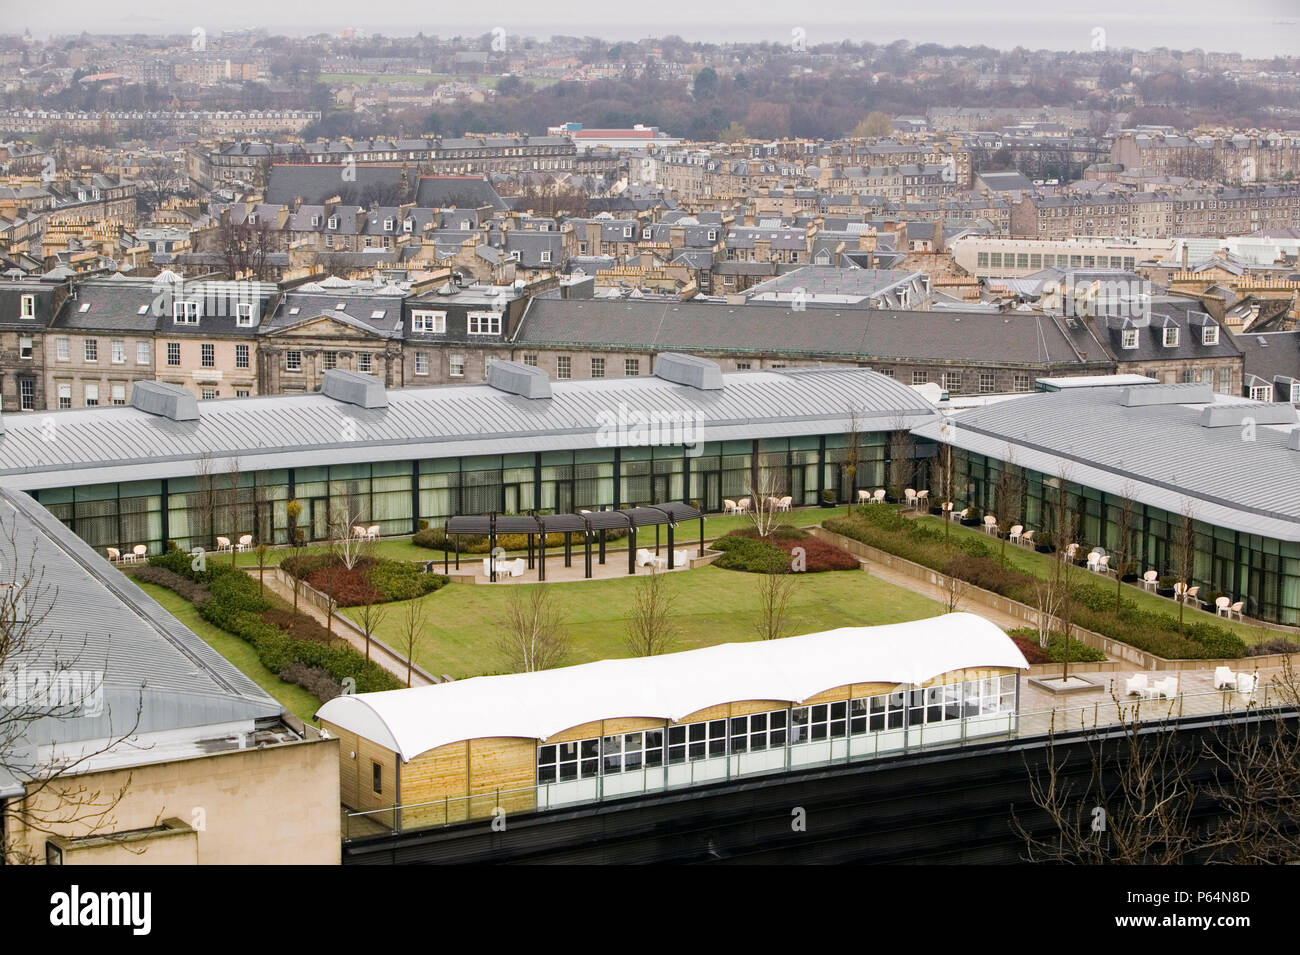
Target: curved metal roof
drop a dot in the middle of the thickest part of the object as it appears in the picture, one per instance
(99, 445)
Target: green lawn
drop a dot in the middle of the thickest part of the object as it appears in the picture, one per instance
(712, 606)
(1031, 562)
(293, 697)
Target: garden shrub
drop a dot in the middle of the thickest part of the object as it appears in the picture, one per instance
(1276, 645)
(751, 555)
(192, 591)
(314, 680)
(1092, 605)
(1080, 652)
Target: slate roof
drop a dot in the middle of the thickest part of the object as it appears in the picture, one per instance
(437, 192)
(861, 334)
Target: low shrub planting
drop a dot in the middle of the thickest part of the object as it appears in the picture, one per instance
(235, 604)
(368, 581)
(314, 680)
(1092, 605)
(744, 550)
(1276, 645)
(1080, 652)
(191, 590)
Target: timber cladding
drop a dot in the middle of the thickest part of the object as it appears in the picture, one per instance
(468, 779)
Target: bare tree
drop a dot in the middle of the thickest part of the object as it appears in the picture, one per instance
(372, 615)
(347, 545)
(245, 249)
(1010, 496)
(902, 461)
(763, 496)
(1058, 596)
(261, 551)
(207, 499)
(1130, 806)
(532, 633)
(650, 629)
(953, 590)
(774, 592)
(415, 618)
(1123, 540)
(851, 459)
(232, 505)
(1184, 540)
(946, 482)
(330, 578)
(47, 676)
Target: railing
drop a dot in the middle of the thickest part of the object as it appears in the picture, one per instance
(909, 739)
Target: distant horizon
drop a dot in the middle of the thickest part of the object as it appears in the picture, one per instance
(1274, 32)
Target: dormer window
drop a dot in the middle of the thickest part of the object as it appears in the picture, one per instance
(333, 223)
(244, 314)
(1210, 335)
(408, 225)
(1261, 392)
(1129, 338)
(315, 220)
(252, 218)
(627, 232)
(713, 235)
(28, 308)
(185, 313)
(1171, 336)
(645, 233)
(388, 225)
(546, 255)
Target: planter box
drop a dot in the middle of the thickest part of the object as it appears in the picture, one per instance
(970, 523)
(937, 511)
(1165, 593)
(1130, 578)
(1045, 548)
(828, 504)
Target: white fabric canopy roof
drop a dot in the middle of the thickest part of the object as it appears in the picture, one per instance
(670, 686)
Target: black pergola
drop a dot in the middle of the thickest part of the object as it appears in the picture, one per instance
(592, 525)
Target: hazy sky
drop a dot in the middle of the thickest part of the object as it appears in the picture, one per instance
(1246, 26)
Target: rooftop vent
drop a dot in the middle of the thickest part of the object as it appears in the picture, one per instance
(354, 388)
(688, 370)
(519, 379)
(1293, 439)
(167, 401)
(1191, 393)
(1233, 415)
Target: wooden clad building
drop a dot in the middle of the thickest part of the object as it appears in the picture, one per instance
(451, 752)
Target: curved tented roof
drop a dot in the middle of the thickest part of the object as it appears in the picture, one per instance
(671, 686)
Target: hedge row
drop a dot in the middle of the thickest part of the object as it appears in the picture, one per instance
(236, 605)
(1093, 607)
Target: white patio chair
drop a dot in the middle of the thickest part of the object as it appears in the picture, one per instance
(1236, 608)
(1103, 564)
(681, 558)
(487, 566)
(644, 558)
(245, 542)
(372, 532)
(141, 551)
(1027, 538)
(990, 525)
(114, 555)
(785, 503)
(1224, 678)
(1168, 687)
(863, 496)
(223, 545)
(1017, 531)
(963, 514)
(1180, 588)
(729, 506)
(1071, 551)
(358, 532)
(1247, 683)
(1094, 560)
(1136, 685)
(1190, 595)
(1150, 580)
(742, 506)
(518, 566)
(1223, 607)
(922, 500)
(909, 495)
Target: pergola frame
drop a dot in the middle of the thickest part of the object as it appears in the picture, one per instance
(591, 524)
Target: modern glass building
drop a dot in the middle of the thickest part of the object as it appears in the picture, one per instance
(170, 468)
(1188, 465)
